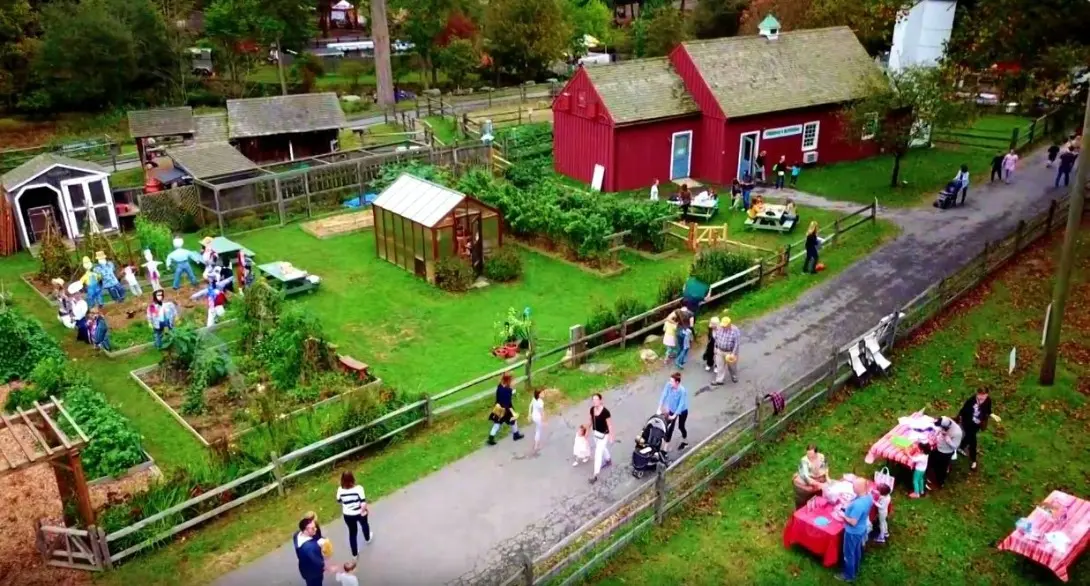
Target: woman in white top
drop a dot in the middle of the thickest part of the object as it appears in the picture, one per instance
(962, 178)
(354, 508)
(537, 415)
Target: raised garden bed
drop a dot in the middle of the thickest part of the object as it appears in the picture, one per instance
(340, 224)
(228, 415)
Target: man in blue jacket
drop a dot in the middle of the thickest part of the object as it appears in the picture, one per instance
(674, 405)
(311, 562)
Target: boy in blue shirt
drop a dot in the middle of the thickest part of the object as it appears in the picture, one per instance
(795, 170)
(856, 518)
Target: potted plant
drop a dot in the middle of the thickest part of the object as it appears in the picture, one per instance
(513, 334)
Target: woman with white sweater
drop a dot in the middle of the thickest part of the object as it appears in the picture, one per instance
(354, 508)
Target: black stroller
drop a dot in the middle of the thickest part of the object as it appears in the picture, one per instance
(948, 197)
(648, 453)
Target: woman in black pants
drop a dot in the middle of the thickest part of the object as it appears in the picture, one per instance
(354, 508)
(812, 243)
(709, 350)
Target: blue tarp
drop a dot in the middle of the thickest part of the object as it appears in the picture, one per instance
(361, 200)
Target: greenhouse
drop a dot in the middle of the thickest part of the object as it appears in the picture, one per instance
(418, 223)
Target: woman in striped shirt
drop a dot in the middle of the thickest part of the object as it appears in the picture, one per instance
(354, 508)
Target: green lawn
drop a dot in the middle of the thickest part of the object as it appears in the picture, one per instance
(446, 129)
(948, 537)
(128, 178)
(332, 80)
(923, 171)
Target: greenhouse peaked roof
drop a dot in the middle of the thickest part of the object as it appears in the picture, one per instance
(419, 200)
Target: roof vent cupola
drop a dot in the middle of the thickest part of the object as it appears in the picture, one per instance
(769, 28)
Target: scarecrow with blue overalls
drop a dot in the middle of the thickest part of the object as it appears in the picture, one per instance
(91, 282)
(107, 272)
(180, 258)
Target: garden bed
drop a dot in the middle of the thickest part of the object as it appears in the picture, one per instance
(225, 416)
(545, 247)
(340, 224)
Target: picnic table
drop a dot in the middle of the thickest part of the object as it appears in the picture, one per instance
(700, 207)
(818, 530)
(771, 218)
(899, 445)
(227, 250)
(289, 278)
(1055, 539)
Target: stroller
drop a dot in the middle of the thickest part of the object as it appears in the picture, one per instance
(648, 453)
(948, 197)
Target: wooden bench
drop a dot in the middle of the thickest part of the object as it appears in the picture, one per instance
(353, 366)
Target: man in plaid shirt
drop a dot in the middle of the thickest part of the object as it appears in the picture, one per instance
(727, 338)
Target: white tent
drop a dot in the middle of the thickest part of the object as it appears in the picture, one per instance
(340, 11)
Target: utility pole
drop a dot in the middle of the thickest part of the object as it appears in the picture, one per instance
(1067, 255)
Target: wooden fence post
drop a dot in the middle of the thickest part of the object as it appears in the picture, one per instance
(874, 210)
(1014, 138)
(984, 262)
(1032, 131)
(100, 546)
(278, 473)
(836, 229)
(1051, 214)
(527, 569)
(529, 369)
(786, 259)
(1018, 237)
(575, 344)
(428, 410)
(760, 272)
(660, 495)
(757, 418)
(832, 372)
(893, 332)
(624, 333)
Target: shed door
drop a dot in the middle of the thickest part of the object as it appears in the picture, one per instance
(681, 155)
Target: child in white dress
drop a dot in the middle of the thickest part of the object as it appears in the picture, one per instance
(582, 446)
(537, 415)
(130, 279)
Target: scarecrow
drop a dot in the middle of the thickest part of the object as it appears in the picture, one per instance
(162, 315)
(180, 259)
(152, 266)
(214, 297)
(79, 311)
(108, 273)
(64, 304)
(92, 282)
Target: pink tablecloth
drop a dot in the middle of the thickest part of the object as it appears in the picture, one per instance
(885, 449)
(1076, 527)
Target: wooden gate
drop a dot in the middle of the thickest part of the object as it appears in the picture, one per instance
(76, 549)
(695, 235)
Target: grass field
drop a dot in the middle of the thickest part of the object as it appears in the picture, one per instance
(733, 535)
(445, 129)
(923, 171)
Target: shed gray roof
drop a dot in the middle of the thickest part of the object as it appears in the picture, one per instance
(419, 200)
(42, 163)
(284, 115)
(210, 128)
(210, 159)
(642, 89)
(755, 75)
(160, 122)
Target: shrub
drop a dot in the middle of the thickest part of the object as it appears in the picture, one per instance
(602, 318)
(25, 344)
(56, 260)
(626, 307)
(180, 346)
(505, 264)
(453, 274)
(115, 445)
(715, 264)
(295, 349)
(163, 209)
(154, 236)
(670, 287)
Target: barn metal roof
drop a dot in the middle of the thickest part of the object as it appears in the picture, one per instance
(642, 89)
(42, 163)
(161, 122)
(210, 159)
(754, 75)
(284, 115)
(419, 200)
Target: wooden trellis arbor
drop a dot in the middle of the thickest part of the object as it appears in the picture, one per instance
(47, 433)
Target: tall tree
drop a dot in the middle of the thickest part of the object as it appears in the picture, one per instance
(121, 53)
(792, 14)
(712, 20)
(424, 24)
(900, 111)
(588, 17)
(287, 25)
(380, 34)
(666, 28)
(526, 36)
(17, 47)
(232, 27)
(458, 59)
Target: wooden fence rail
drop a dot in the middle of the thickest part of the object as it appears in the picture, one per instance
(276, 475)
(577, 555)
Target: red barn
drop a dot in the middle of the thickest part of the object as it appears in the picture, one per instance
(708, 109)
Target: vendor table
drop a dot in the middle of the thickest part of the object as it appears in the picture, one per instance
(899, 445)
(1056, 539)
(771, 218)
(803, 528)
(289, 278)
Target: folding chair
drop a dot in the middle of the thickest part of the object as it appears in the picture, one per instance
(857, 363)
(875, 352)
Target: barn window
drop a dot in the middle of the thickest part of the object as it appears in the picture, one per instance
(581, 99)
(810, 136)
(870, 125)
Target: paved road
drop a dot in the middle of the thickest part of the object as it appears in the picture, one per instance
(461, 525)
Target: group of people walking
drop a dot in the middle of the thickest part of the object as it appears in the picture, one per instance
(314, 551)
